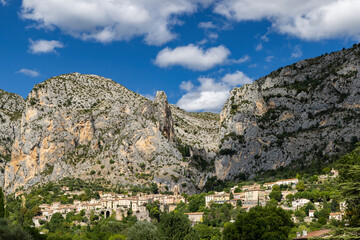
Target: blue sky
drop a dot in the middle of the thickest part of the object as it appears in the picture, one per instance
(194, 50)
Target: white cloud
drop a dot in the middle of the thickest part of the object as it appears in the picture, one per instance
(235, 79)
(259, 47)
(213, 35)
(210, 95)
(3, 2)
(192, 57)
(110, 20)
(29, 72)
(269, 58)
(150, 96)
(307, 19)
(241, 60)
(265, 37)
(297, 52)
(186, 86)
(44, 46)
(206, 25)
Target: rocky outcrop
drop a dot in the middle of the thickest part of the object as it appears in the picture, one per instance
(91, 127)
(305, 112)
(11, 107)
(163, 115)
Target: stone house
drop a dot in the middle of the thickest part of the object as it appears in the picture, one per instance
(298, 203)
(195, 217)
(337, 216)
(219, 198)
(255, 196)
(292, 181)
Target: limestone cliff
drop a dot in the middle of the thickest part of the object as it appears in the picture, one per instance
(91, 127)
(304, 112)
(11, 107)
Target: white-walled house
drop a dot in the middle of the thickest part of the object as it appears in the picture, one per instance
(298, 203)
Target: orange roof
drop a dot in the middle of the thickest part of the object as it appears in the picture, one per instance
(287, 179)
(318, 233)
(251, 190)
(195, 213)
(335, 213)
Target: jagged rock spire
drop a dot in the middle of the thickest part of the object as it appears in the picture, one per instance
(163, 114)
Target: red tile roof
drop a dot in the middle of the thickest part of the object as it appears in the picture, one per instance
(318, 233)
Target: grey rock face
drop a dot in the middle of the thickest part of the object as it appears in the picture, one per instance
(297, 114)
(11, 107)
(91, 127)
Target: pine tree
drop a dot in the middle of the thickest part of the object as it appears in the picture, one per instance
(349, 175)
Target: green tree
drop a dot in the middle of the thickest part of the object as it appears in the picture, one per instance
(300, 186)
(196, 202)
(230, 232)
(144, 230)
(275, 193)
(326, 170)
(174, 226)
(349, 175)
(260, 223)
(207, 232)
(218, 214)
(290, 197)
(334, 205)
(2, 204)
(154, 210)
(154, 188)
(10, 231)
(56, 222)
(193, 235)
(322, 220)
(117, 237)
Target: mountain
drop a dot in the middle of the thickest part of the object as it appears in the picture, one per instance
(11, 107)
(90, 127)
(305, 112)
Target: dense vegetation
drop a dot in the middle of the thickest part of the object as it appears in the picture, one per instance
(269, 222)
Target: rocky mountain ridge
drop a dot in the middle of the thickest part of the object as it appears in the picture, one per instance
(90, 127)
(300, 113)
(11, 107)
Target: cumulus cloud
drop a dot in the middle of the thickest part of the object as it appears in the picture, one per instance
(210, 95)
(44, 46)
(110, 20)
(186, 86)
(29, 72)
(307, 19)
(192, 57)
(235, 79)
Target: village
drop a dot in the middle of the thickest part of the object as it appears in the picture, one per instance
(122, 205)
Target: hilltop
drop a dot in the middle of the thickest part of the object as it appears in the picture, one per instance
(90, 127)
